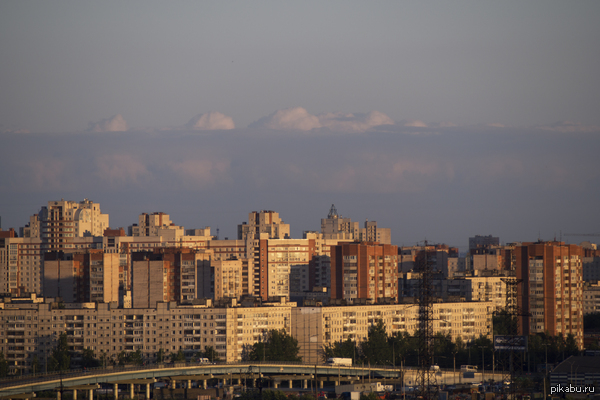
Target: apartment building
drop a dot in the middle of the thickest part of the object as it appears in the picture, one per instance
(473, 287)
(316, 327)
(339, 228)
(364, 270)
(31, 329)
(551, 293)
(265, 221)
(440, 257)
(591, 297)
(86, 276)
(155, 224)
(167, 274)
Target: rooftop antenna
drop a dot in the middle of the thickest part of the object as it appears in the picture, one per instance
(332, 212)
(217, 233)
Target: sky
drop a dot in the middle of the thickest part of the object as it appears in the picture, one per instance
(440, 120)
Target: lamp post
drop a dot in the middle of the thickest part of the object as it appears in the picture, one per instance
(482, 365)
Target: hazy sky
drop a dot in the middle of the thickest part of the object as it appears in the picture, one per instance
(67, 63)
(440, 120)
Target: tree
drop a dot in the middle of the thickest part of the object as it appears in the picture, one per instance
(376, 349)
(160, 356)
(279, 347)
(3, 366)
(342, 349)
(89, 360)
(35, 365)
(178, 357)
(211, 354)
(60, 359)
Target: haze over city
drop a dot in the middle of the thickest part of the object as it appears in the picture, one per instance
(439, 120)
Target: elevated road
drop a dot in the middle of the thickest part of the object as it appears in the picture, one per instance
(26, 386)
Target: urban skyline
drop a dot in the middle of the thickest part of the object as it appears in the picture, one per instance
(217, 231)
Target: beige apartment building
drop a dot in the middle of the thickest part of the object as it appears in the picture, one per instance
(591, 297)
(316, 327)
(31, 330)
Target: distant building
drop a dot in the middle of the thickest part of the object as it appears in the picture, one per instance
(364, 270)
(169, 274)
(483, 241)
(155, 224)
(264, 222)
(82, 277)
(338, 228)
(591, 298)
(551, 292)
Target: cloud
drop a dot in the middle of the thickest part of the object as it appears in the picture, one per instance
(13, 130)
(296, 118)
(210, 121)
(120, 169)
(113, 124)
(414, 123)
(342, 122)
(202, 172)
(568, 127)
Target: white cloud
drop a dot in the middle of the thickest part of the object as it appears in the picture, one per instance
(113, 124)
(297, 118)
(354, 122)
(121, 169)
(414, 123)
(210, 121)
(202, 172)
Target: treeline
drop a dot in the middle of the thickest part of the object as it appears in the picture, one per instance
(402, 348)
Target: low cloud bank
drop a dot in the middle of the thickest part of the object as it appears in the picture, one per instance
(298, 119)
(211, 121)
(114, 124)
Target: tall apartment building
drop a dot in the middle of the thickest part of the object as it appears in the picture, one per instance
(483, 241)
(86, 276)
(440, 257)
(62, 221)
(20, 264)
(486, 258)
(155, 224)
(263, 222)
(591, 297)
(336, 227)
(61, 225)
(169, 274)
(551, 291)
(315, 327)
(364, 271)
(372, 233)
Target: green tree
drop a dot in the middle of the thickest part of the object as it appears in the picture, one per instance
(35, 365)
(504, 323)
(89, 360)
(178, 357)
(279, 347)
(343, 349)
(376, 349)
(60, 359)
(3, 366)
(160, 356)
(211, 354)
